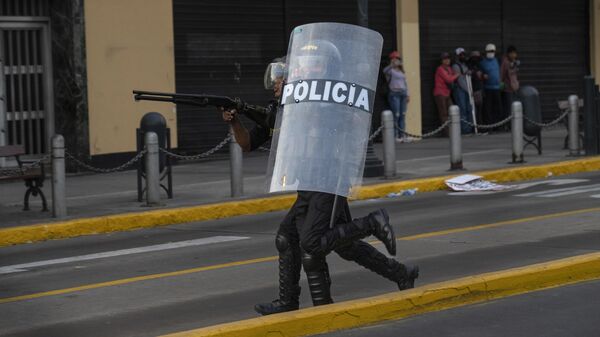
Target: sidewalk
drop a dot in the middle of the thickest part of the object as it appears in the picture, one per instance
(207, 182)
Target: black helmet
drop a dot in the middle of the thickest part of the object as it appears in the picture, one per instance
(316, 59)
(277, 69)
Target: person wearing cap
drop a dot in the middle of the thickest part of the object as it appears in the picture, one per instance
(461, 92)
(476, 83)
(510, 81)
(397, 96)
(492, 104)
(445, 79)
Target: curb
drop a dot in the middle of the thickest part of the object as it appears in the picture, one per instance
(392, 306)
(164, 217)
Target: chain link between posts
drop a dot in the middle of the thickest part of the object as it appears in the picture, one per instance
(200, 155)
(488, 126)
(425, 135)
(121, 167)
(376, 133)
(25, 166)
(561, 117)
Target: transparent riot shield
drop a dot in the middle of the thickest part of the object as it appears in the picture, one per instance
(320, 139)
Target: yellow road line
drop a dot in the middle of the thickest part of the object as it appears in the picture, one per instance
(136, 279)
(498, 224)
(274, 258)
(396, 305)
(172, 216)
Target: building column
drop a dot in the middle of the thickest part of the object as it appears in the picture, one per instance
(594, 36)
(408, 42)
(70, 76)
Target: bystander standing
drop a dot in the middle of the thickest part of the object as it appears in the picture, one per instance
(476, 84)
(509, 78)
(398, 95)
(461, 91)
(445, 79)
(492, 104)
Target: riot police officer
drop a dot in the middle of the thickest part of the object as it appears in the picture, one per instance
(305, 238)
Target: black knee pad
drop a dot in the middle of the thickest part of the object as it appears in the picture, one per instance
(282, 242)
(313, 262)
(311, 246)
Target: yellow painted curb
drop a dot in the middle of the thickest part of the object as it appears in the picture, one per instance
(148, 219)
(500, 175)
(163, 217)
(434, 297)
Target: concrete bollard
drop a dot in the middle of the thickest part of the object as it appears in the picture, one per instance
(236, 158)
(389, 144)
(455, 138)
(152, 169)
(59, 200)
(574, 149)
(517, 132)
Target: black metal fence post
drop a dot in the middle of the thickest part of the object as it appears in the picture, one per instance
(590, 110)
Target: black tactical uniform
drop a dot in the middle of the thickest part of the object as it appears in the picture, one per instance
(304, 239)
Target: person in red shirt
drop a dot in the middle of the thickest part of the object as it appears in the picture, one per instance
(509, 76)
(444, 80)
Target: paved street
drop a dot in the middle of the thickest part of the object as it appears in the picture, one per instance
(151, 282)
(558, 312)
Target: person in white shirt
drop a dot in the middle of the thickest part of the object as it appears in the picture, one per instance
(398, 96)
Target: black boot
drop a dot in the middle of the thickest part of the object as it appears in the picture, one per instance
(278, 305)
(289, 277)
(319, 282)
(367, 256)
(407, 279)
(376, 224)
(380, 225)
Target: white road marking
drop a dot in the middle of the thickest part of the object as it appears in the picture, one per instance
(172, 245)
(551, 182)
(558, 192)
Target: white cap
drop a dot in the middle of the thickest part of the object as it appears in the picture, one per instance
(459, 51)
(490, 47)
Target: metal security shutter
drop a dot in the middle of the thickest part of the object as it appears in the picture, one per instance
(299, 12)
(551, 38)
(222, 47)
(444, 26)
(381, 19)
(381, 16)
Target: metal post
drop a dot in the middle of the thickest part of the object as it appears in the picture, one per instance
(373, 166)
(455, 139)
(589, 117)
(363, 13)
(389, 144)
(152, 169)
(574, 149)
(236, 168)
(59, 200)
(517, 132)
(3, 124)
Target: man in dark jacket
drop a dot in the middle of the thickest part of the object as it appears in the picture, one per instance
(492, 104)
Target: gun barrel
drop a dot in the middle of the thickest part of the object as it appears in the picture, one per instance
(165, 94)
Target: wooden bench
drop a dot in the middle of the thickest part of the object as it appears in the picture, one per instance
(33, 176)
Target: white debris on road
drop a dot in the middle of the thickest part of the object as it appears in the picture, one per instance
(470, 183)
